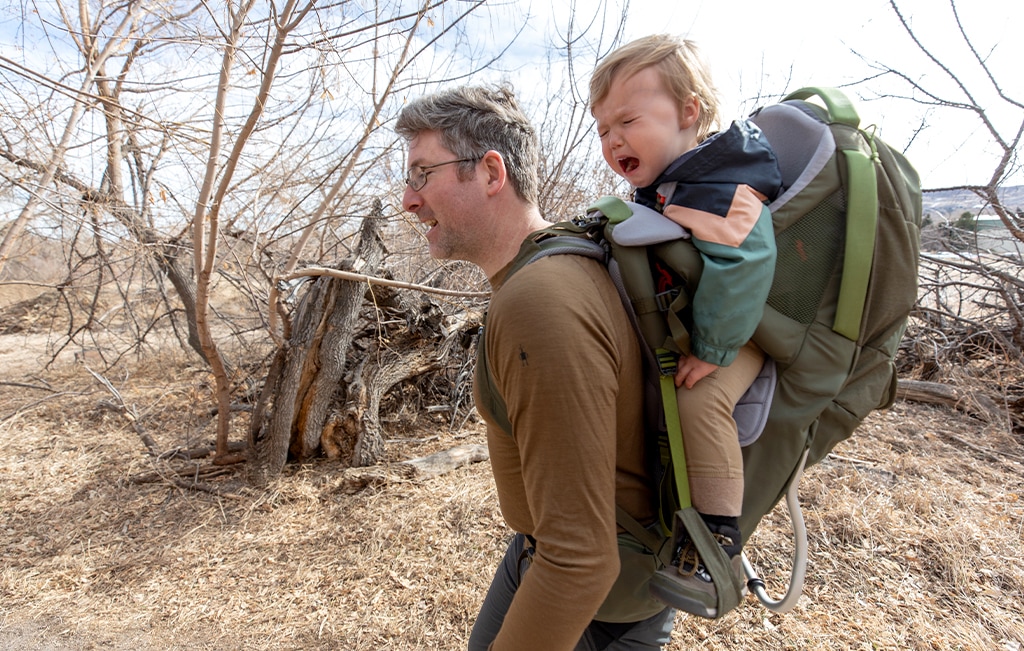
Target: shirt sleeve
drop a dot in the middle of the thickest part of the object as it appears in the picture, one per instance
(556, 360)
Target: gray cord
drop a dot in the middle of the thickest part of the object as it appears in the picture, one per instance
(796, 580)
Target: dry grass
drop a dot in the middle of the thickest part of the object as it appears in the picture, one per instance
(915, 538)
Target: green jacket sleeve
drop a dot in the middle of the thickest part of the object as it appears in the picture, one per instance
(729, 300)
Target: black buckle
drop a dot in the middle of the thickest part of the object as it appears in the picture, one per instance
(587, 221)
(667, 361)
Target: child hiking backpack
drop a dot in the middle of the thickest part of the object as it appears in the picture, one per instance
(847, 229)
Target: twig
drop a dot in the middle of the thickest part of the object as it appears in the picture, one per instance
(862, 465)
(425, 439)
(204, 451)
(22, 385)
(188, 479)
(995, 455)
(128, 412)
(235, 406)
(854, 461)
(157, 475)
(22, 408)
(205, 488)
(373, 280)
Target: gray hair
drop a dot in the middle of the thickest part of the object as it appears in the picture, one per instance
(472, 120)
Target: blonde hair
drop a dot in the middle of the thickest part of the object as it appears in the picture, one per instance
(682, 68)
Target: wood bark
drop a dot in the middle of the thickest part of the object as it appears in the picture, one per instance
(308, 370)
(975, 403)
(355, 434)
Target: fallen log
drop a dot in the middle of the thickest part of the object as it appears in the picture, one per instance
(432, 465)
(974, 403)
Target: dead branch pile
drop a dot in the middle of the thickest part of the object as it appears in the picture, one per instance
(356, 354)
(965, 338)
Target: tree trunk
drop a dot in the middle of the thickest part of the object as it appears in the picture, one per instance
(354, 434)
(308, 371)
(180, 275)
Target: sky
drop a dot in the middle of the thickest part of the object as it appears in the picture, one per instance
(763, 49)
(760, 50)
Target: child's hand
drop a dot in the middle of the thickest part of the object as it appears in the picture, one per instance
(692, 370)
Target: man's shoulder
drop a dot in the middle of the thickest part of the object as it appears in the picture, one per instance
(554, 291)
(562, 274)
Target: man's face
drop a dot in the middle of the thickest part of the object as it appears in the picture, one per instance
(641, 127)
(443, 203)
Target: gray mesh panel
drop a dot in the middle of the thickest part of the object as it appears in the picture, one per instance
(808, 252)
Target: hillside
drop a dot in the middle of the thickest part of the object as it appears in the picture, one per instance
(953, 202)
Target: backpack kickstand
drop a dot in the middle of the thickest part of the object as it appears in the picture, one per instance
(796, 580)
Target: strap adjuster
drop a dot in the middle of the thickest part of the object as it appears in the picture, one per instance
(667, 361)
(665, 299)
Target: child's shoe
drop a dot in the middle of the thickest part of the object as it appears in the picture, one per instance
(687, 584)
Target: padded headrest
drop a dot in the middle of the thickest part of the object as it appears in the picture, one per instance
(802, 143)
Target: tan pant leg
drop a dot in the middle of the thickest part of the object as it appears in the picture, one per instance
(713, 458)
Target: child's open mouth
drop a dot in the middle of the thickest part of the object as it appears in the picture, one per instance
(629, 164)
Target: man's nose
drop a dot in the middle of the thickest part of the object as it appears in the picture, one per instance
(411, 200)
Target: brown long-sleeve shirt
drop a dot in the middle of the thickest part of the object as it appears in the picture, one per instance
(567, 363)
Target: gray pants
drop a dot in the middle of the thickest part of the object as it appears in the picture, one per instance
(647, 635)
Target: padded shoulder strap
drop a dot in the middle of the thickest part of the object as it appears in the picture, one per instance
(861, 230)
(560, 238)
(861, 210)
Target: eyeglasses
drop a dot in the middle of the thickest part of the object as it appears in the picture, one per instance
(416, 177)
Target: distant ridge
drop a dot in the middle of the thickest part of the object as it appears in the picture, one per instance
(953, 201)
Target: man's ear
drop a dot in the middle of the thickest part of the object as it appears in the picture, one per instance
(494, 169)
(689, 112)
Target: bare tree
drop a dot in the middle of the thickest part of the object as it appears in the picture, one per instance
(96, 53)
(965, 99)
(970, 316)
(209, 147)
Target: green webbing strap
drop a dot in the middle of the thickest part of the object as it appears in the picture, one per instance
(677, 329)
(647, 538)
(861, 212)
(715, 560)
(712, 555)
(861, 222)
(667, 365)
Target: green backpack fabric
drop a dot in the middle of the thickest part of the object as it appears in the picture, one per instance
(848, 237)
(847, 229)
